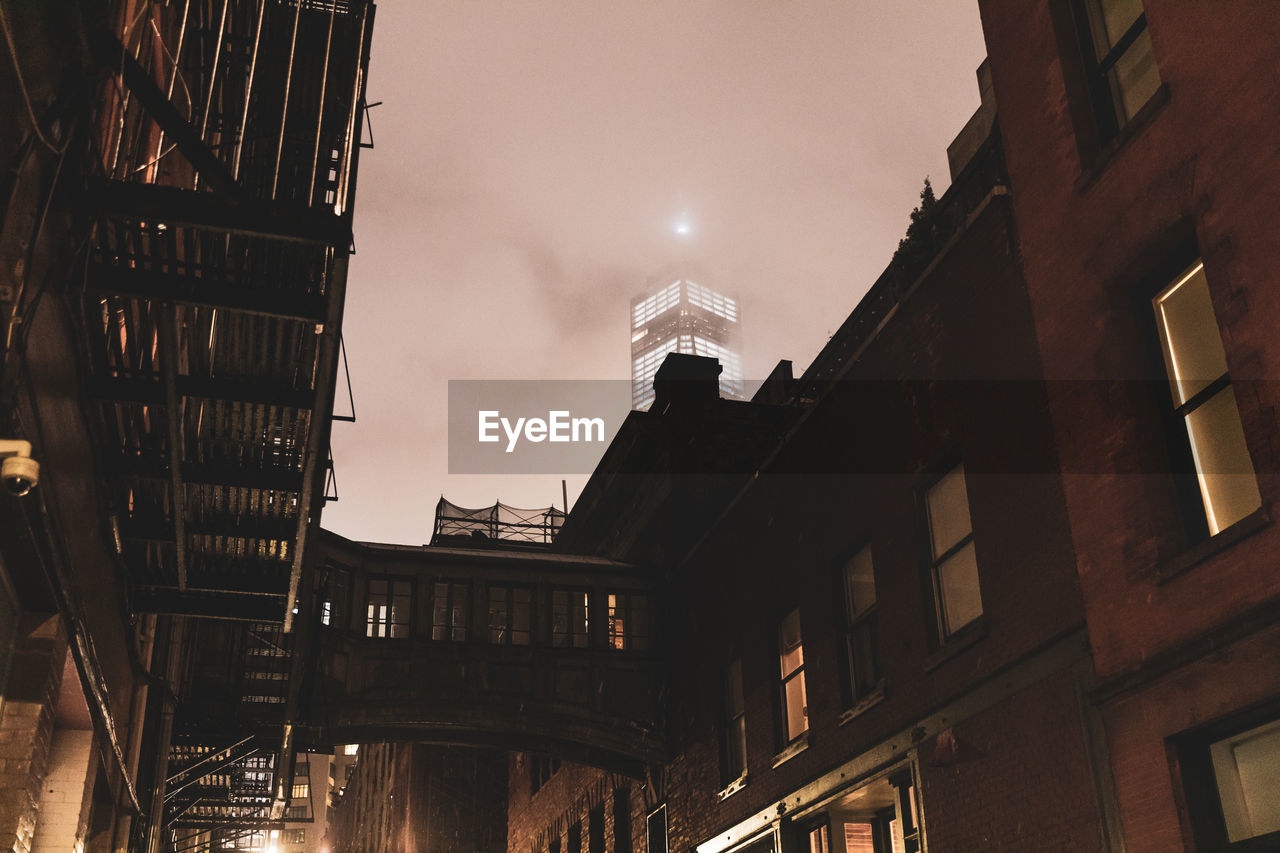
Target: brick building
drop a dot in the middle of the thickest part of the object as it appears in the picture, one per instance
(1008, 581)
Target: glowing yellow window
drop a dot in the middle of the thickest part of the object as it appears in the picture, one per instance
(1204, 400)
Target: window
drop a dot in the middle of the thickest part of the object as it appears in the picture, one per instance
(575, 838)
(595, 830)
(541, 769)
(733, 744)
(656, 830)
(301, 790)
(859, 582)
(569, 615)
(295, 836)
(1119, 62)
(351, 749)
(820, 839)
(510, 615)
(628, 619)
(1204, 401)
(326, 612)
(1231, 772)
(449, 611)
(387, 614)
(795, 711)
(954, 566)
(622, 820)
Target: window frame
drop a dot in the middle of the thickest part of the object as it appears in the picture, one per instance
(570, 637)
(866, 619)
(941, 635)
(785, 739)
(730, 721)
(508, 629)
(388, 598)
(450, 627)
(649, 821)
(1195, 780)
(1105, 109)
(1183, 472)
(633, 640)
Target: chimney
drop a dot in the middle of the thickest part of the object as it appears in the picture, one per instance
(685, 383)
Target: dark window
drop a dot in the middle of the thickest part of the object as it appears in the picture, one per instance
(953, 562)
(510, 615)
(859, 586)
(656, 830)
(569, 618)
(628, 619)
(734, 738)
(595, 830)
(575, 838)
(1119, 63)
(541, 769)
(388, 611)
(1204, 404)
(622, 820)
(795, 700)
(449, 611)
(1231, 773)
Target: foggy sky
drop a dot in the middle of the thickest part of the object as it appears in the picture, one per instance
(532, 156)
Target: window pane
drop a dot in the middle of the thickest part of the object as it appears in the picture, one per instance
(796, 709)
(958, 587)
(520, 616)
(1136, 76)
(458, 614)
(1111, 19)
(948, 505)
(560, 618)
(1247, 770)
(497, 614)
(818, 840)
(738, 747)
(733, 689)
(1223, 464)
(860, 583)
(791, 653)
(862, 653)
(858, 838)
(1189, 334)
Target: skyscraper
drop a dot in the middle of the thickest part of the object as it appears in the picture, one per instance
(685, 317)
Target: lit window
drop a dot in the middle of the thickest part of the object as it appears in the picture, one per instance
(1246, 770)
(860, 624)
(510, 615)
(351, 749)
(795, 711)
(955, 566)
(820, 839)
(1119, 61)
(326, 612)
(449, 611)
(1204, 400)
(569, 618)
(628, 621)
(301, 790)
(1232, 776)
(387, 613)
(734, 740)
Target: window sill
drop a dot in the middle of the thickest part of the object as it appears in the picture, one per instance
(866, 703)
(733, 787)
(1098, 163)
(1198, 553)
(797, 746)
(961, 640)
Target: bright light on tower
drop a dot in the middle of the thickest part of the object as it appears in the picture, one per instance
(682, 226)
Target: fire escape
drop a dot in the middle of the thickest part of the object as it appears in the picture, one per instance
(227, 141)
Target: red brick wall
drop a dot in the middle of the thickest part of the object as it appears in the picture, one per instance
(1203, 164)
(1019, 781)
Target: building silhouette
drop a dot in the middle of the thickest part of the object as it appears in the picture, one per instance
(683, 316)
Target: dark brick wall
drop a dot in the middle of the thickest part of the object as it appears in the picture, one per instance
(1092, 230)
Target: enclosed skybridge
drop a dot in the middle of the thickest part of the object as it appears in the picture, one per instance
(503, 644)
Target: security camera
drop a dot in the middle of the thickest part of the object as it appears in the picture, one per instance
(19, 472)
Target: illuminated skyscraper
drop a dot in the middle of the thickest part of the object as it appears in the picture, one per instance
(683, 317)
